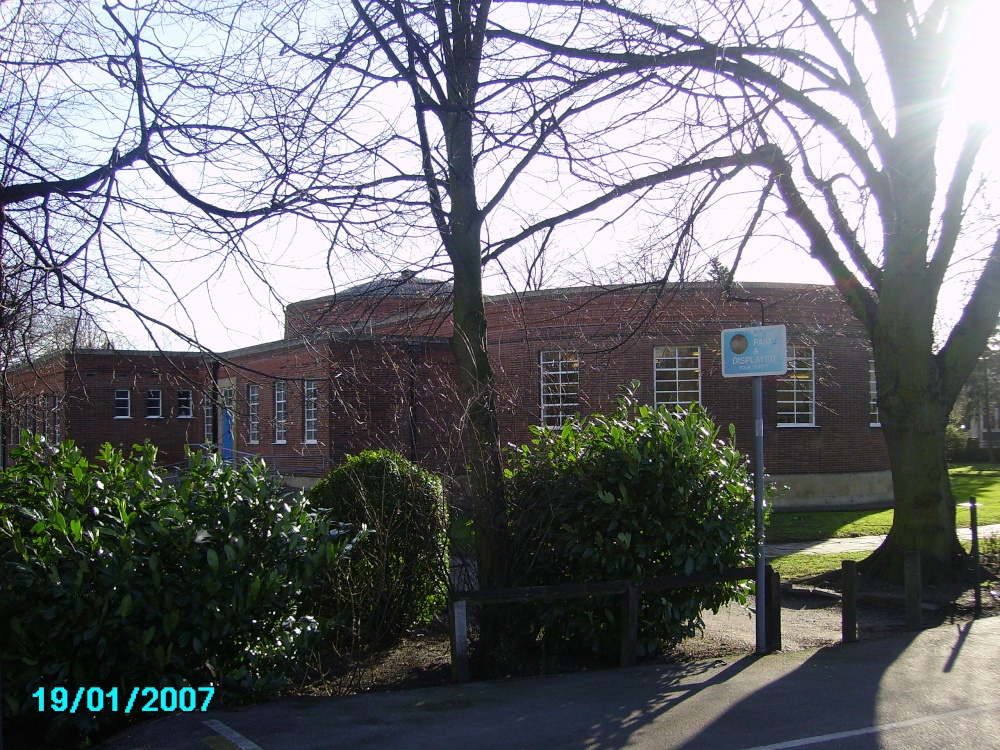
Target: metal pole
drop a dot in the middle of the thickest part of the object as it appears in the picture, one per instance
(974, 525)
(758, 506)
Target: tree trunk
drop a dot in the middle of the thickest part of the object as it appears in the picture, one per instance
(924, 517)
(988, 417)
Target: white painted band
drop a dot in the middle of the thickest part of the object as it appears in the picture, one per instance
(232, 735)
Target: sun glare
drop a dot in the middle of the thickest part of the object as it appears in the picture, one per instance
(976, 95)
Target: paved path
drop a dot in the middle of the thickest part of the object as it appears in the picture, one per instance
(857, 543)
(934, 689)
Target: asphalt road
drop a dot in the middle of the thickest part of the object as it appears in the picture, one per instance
(934, 689)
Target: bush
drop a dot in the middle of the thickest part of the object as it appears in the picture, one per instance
(398, 576)
(639, 493)
(112, 579)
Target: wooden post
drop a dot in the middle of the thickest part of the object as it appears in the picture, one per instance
(849, 601)
(459, 625)
(912, 586)
(630, 626)
(772, 609)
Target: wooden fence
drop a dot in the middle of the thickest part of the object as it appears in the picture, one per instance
(629, 591)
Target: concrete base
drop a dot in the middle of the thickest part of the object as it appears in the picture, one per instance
(855, 491)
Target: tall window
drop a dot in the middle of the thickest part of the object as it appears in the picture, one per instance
(560, 387)
(154, 404)
(310, 415)
(677, 375)
(797, 389)
(209, 419)
(45, 421)
(185, 405)
(253, 413)
(57, 418)
(873, 417)
(280, 412)
(123, 404)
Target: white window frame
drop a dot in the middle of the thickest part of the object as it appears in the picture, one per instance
(185, 404)
(253, 413)
(154, 404)
(57, 418)
(280, 413)
(310, 411)
(673, 367)
(874, 420)
(123, 401)
(209, 419)
(800, 383)
(560, 386)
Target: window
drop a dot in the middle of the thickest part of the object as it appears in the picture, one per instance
(309, 411)
(123, 404)
(45, 416)
(154, 404)
(253, 413)
(209, 419)
(57, 418)
(797, 390)
(280, 412)
(873, 417)
(560, 387)
(677, 375)
(185, 405)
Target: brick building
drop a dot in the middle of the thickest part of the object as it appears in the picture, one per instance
(372, 367)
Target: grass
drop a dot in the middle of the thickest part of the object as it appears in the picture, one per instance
(979, 480)
(797, 567)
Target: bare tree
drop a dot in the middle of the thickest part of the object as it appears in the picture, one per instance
(849, 130)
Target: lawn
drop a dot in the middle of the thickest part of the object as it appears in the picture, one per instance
(979, 480)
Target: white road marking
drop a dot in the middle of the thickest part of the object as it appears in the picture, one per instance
(879, 728)
(232, 735)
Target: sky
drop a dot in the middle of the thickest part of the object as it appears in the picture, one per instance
(230, 307)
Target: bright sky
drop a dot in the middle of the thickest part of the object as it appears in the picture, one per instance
(237, 309)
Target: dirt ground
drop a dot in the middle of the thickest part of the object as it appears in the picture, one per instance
(810, 618)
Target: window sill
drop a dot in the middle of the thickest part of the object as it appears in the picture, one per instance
(123, 417)
(149, 417)
(185, 416)
(795, 426)
(310, 442)
(280, 442)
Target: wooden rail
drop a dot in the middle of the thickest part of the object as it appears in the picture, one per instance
(630, 591)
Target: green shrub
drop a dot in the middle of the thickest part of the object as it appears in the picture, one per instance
(639, 493)
(398, 576)
(112, 579)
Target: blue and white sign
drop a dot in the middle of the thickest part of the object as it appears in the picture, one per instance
(748, 352)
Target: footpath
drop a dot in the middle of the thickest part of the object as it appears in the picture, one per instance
(932, 689)
(858, 543)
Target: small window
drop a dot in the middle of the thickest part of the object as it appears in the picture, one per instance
(797, 389)
(185, 405)
(154, 404)
(309, 411)
(560, 387)
(280, 412)
(123, 404)
(677, 375)
(873, 418)
(253, 413)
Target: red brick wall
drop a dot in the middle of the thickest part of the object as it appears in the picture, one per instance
(86, 383)
(371, 394)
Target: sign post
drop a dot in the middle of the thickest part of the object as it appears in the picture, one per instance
(755, 352)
